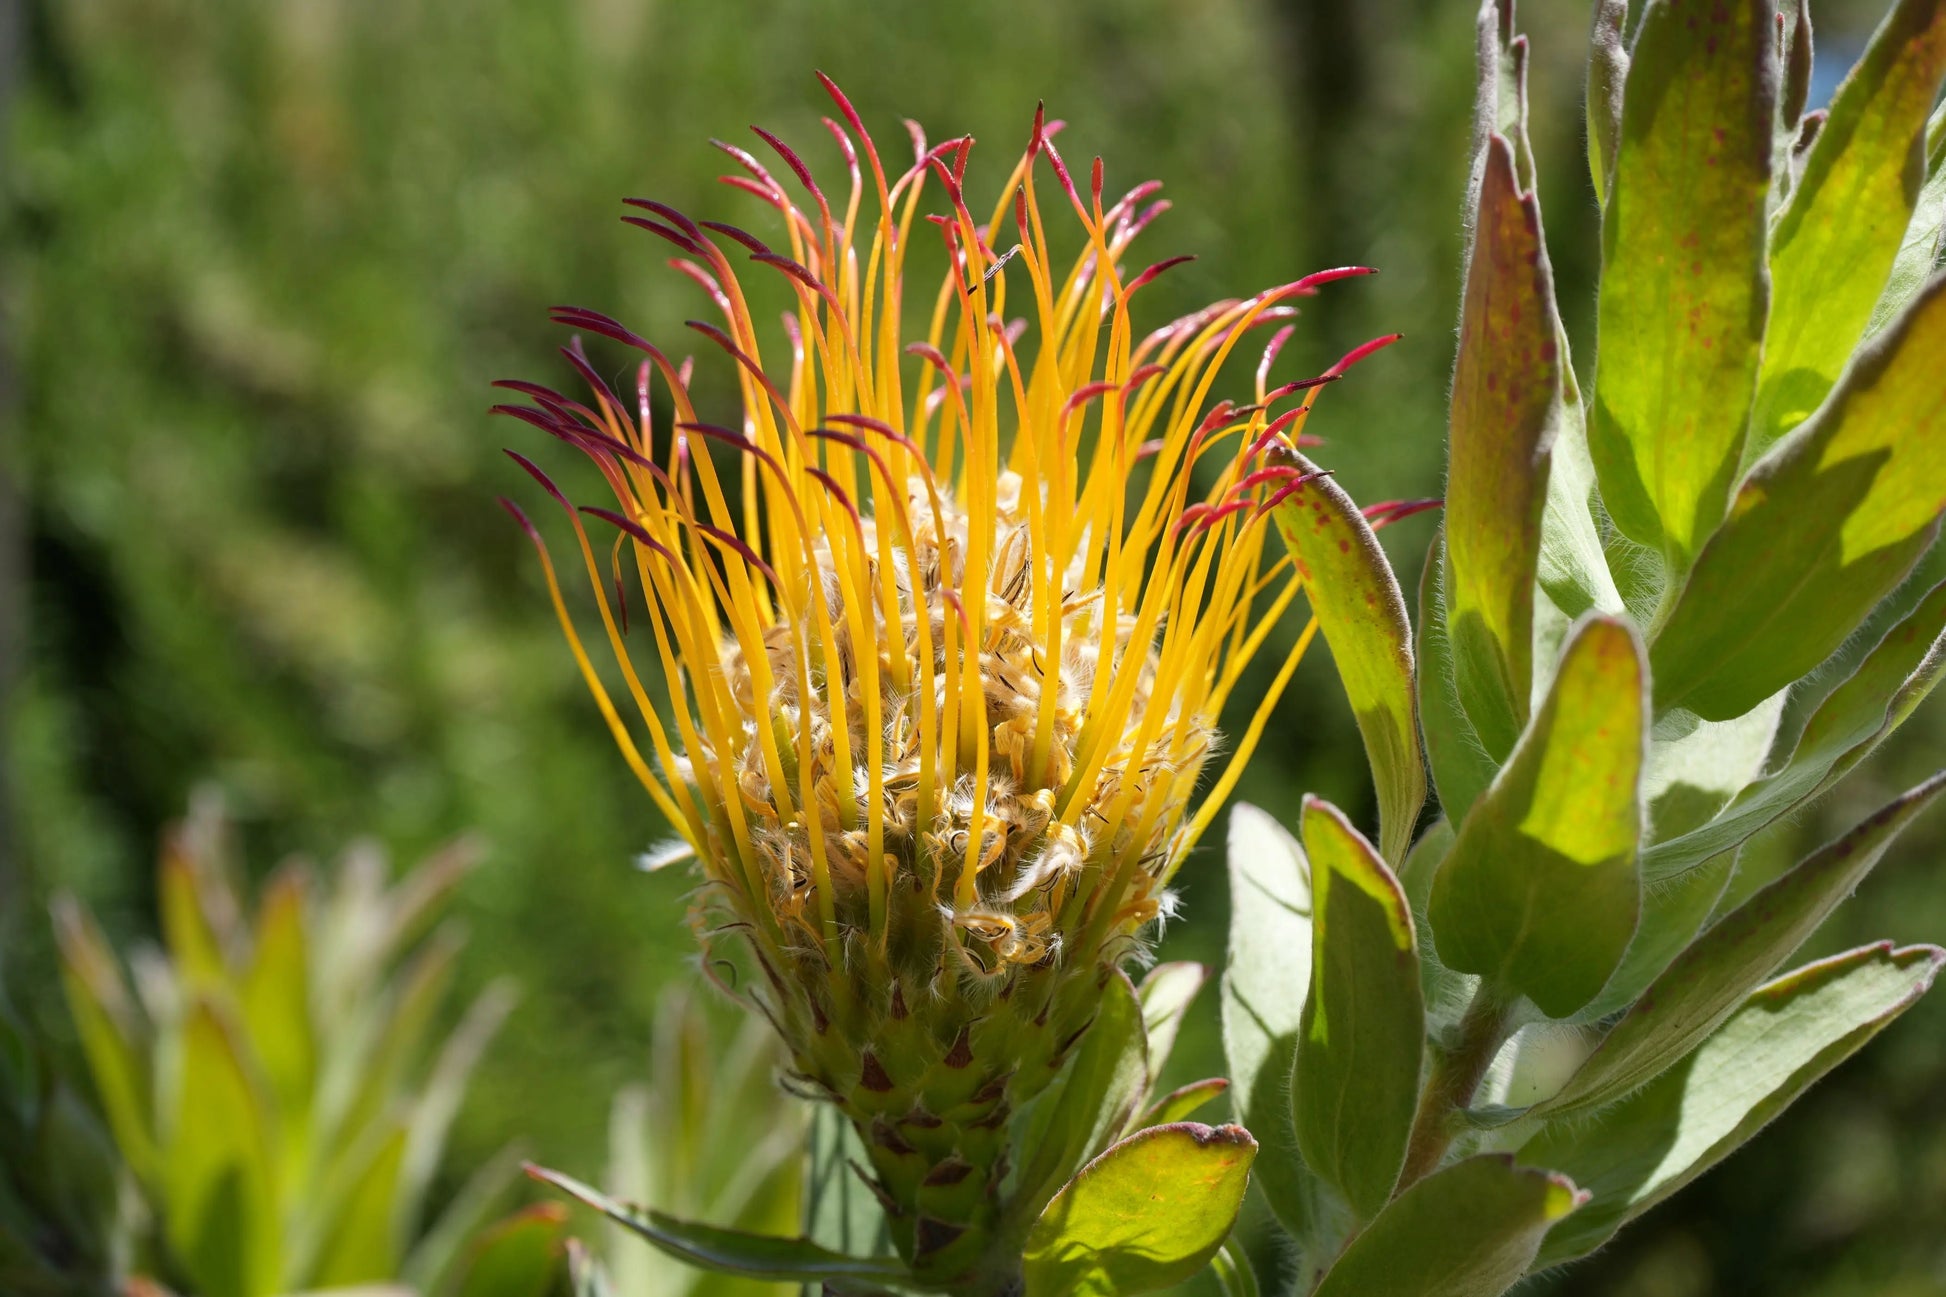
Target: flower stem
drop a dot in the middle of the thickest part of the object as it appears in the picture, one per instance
(1456, 1074)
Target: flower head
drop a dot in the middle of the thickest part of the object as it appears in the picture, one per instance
(946, 621)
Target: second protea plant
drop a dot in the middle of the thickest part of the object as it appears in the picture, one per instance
(946, 621)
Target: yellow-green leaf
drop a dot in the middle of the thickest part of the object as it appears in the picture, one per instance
(1364, 1026)
(221, 1206)
(1506, 407)
(1359, 607)
(1540, 891)
(276, 997)
(1148, 1213)
(1469, 1230)
(1683, 285)
(362, 1242)
(1837, 237)
(1825, 526)
(520, 1256)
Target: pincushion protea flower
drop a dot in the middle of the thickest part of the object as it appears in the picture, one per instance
(947, 623)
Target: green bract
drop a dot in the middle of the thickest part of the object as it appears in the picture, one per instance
(1663, 614)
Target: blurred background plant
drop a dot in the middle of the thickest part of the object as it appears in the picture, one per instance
(269, 1080)
(263, 259)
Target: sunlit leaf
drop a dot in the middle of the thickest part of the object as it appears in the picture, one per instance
(1149, 1212)
(1469, 1230)
(1506, 408)
(1181, 1103)
(1708, 980)
(1924, 246)
(1540, 891)
(1363, 1029)
(276, 996)
(1837, 237)
(1359, 607)
(1461, 767)
(361, 1244)
(1824, 527)
(1683, 282)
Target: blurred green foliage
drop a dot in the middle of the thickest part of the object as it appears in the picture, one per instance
(262, 259)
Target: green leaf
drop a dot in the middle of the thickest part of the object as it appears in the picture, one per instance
(362, 1243)
(1825, 526)
(433, 1264)
(276, 996)
(728, 1251)
(1837, 237)
(1607, 70)
(840, 1211)
(1540, 892)
(1683, 281)
(186, 929)
(1148, 1213)
(1181, 1103)
(220, 1199)
(1165, 995)
(1705, 984)
(1364, 1025)
(1844, 729)
(105, 1020)
(1231, 1266)
(1461, 768)
(1925, 235)
(1467, 1231)
(1090, 1104)
(519, 1257)
(1267, 969)
(1783, 1038)
(1359, 608)
(1506, 408)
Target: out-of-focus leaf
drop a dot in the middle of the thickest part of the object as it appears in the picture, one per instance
(1263, 989)
(840, 1212)
(361, 1245)
(1540, 893)
(758, 1256)
(1824, 527)
(403, 1030)
(1607, 70)
(1461, 767)
(1165, 996)
(1506, 407)
(1925, 235)
(1683, 282)
(192, 943)
(1837, 237)
(439, 1100)
(432, 1266)
(1181, 1103)
(276, 995)
(1469, 1230)
(1707, 981)
(1784, 1037)
(1851, 721)
(1359, 607)
(104, 1018)
(519, 1257)
(1090, 1103)
(218, 1168)
(1149, 1212)
(1364, 1025)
